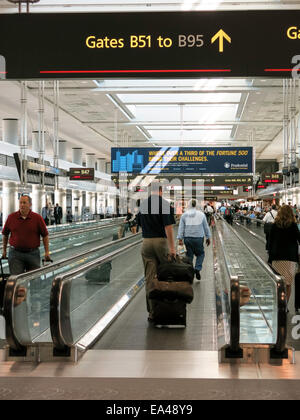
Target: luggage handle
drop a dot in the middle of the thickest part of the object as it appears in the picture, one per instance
(45, 261)
(172, 259)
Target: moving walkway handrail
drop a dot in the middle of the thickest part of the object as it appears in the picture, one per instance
(57, 235)
(234, 344)
(60, 323)
(281, 298)
(12, 288)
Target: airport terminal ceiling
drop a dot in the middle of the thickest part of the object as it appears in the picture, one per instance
(100, 114)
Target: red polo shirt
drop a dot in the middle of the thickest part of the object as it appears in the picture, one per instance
(25, 233)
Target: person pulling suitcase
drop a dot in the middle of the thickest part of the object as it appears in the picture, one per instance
(156, 218)
(193, 227)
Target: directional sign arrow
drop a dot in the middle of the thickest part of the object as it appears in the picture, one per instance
(221, 35)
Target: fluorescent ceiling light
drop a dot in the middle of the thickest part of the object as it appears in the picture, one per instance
(208, 5)
(188, 4)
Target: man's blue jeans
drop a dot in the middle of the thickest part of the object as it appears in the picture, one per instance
(195, 246)
(21, 262)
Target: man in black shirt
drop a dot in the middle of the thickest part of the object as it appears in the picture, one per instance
(156, 217)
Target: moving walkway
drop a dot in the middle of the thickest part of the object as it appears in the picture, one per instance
(63, 243)
(56, 312)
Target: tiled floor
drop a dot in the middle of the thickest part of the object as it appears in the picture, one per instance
(142, 375)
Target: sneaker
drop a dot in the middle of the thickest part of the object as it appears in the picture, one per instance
(198, 275)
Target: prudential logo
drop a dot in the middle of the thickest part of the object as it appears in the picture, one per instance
(227, 165)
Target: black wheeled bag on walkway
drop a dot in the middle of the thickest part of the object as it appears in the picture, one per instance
(178, 270)
(3, 280)
(167, 313)
(297, 291)
(99, 275)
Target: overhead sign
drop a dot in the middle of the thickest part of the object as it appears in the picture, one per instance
(82, 174)
(273, 178)
(178, 160)
(224, 192)
(227, 180)
(210, 198)
(157, 44)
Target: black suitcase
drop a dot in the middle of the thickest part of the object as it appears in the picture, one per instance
(169, 314)
(179, 270)
(3, 280)
(297, 292)
(99, 275)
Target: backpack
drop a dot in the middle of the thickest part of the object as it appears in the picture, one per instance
(227, 212)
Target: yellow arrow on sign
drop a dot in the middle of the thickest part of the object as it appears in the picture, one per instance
(221, 35)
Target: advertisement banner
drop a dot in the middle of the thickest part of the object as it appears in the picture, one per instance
(179, 160)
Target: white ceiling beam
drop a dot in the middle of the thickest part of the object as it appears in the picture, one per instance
(59, 6)
(196, 124)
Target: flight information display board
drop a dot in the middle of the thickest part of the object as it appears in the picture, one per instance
(157, 44)
(273, 178)
(82, 174)
(173, 160)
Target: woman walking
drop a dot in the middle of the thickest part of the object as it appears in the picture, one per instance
(283, 246)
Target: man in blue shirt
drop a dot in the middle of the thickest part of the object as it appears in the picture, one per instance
(192, 229)
(156, 217)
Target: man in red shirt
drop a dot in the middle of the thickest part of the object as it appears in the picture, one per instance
(24, 228)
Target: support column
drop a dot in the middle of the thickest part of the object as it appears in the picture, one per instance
(10, 130)
(90, 160)
(76, 204)
(88, 199)
(9, 198)
(62, 149)
(100, 203)
(38, 198)
(93, 203)
(77, 155)
(60, 197)
(101, 165)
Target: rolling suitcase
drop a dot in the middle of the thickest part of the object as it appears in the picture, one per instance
(3, 280)
(180, 269)
(168, 313)
(297, 292)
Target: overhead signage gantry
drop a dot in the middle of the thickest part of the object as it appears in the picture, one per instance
(157, 44)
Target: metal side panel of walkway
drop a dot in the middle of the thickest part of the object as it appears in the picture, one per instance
(259, 247)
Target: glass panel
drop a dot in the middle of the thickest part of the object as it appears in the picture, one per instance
(222, 287)
(31, 314)
(258, 318)
(255, 225)
(66, 246)
(95, 291)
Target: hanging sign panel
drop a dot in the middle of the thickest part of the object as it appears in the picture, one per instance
(178, 160)
(273, 178)
(156, 44)
(82, 174)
